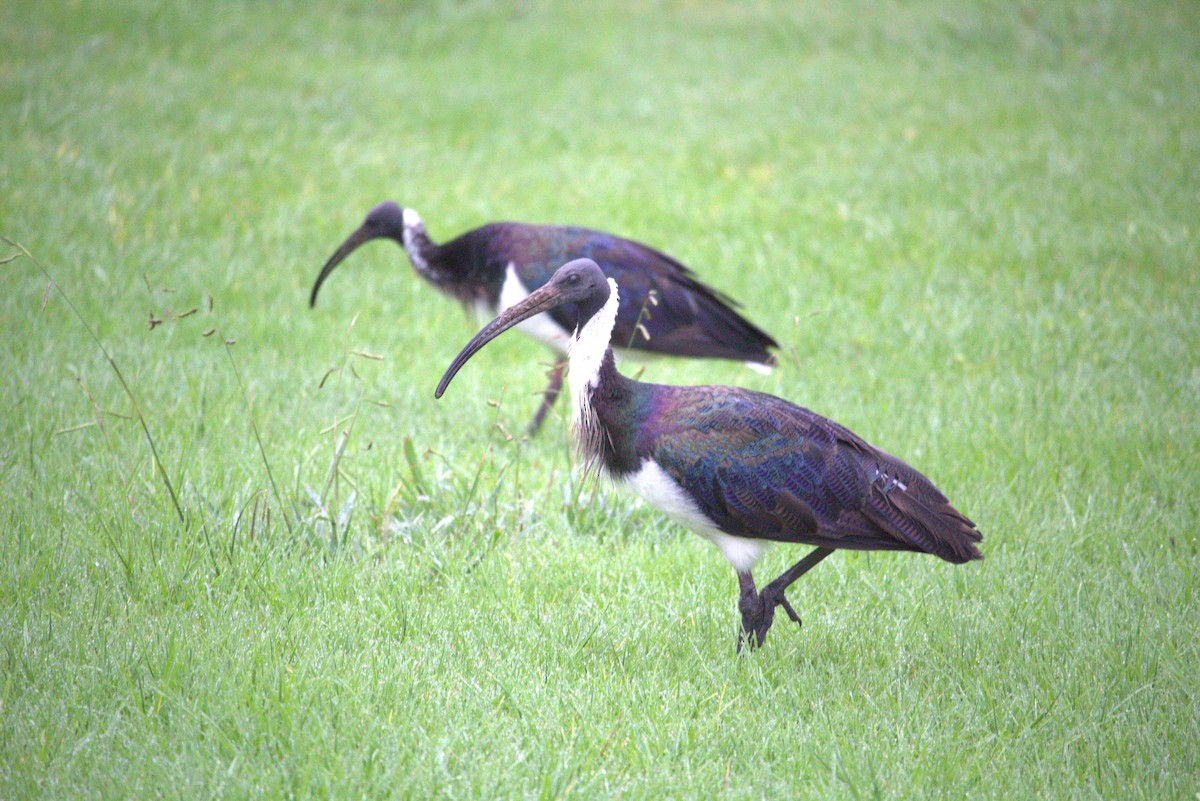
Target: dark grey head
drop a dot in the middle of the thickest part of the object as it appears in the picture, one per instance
(384, 220)
(581, 282)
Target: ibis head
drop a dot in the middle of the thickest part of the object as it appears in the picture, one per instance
(580, 282)
(386, 220)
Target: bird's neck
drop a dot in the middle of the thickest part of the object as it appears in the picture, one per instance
(453, 267)
(589, 344)
(420, 249)
(596, 386)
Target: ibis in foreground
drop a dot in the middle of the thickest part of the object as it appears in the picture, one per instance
(663, 308)
(740, 468)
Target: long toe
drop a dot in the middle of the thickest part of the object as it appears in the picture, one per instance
(787, 607)
(764, 623)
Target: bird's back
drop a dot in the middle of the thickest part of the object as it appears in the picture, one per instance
(685, 318)
(759, 466)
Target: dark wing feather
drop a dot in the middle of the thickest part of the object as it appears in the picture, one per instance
(903, 501)
(688, 319)
(761, 467)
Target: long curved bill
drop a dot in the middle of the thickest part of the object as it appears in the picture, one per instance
(543, 299)
(345, 249)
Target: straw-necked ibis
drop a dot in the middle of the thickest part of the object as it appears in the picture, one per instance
(663, 308)
(740, 468)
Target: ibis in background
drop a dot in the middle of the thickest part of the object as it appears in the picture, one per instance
(663, 308)
(740, 468)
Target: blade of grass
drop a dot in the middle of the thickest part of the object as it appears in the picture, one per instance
(258, 437)
(137, 409)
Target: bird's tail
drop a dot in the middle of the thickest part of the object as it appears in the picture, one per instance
(907, 505)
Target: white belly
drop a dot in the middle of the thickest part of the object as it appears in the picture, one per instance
(661, 491)
(542, 326)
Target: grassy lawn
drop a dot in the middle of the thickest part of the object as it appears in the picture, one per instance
(260, 561)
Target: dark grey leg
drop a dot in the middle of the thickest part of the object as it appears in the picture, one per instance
(551, 393)
(758, 608)
(751, 606)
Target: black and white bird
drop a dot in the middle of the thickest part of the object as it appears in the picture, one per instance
(743, 469)
(664, 309)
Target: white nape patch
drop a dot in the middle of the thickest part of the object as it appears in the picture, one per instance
(541, 326)
(662, 492)
(411, 218)
(412, 227)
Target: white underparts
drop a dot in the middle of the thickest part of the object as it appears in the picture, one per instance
(661, 491)
(541, 326)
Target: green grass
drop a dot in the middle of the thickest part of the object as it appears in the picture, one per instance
(972, 226)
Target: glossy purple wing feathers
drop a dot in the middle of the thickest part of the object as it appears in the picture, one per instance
(761, 467)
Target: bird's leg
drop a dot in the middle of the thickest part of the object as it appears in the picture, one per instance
(758, 608)
(773, 593)
(551, 393)
(755, 618)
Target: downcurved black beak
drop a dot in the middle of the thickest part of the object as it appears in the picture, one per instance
(543, 299)
(345, 249)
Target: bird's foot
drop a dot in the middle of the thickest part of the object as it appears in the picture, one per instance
(758, 613)
(757, 618)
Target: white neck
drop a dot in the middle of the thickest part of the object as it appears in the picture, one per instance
(414, 232)
(586, 351)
